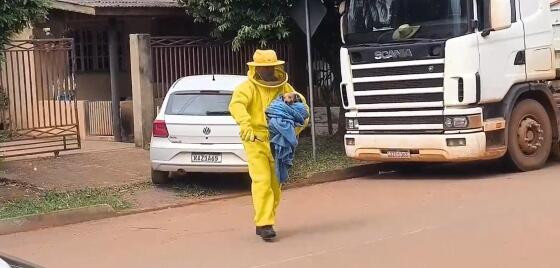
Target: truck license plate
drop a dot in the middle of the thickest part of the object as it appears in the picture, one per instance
(206, 158)
(398, 154)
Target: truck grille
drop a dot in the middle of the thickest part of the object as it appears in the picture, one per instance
(399, 99)
(401, 120)
(417, 83)
(419, 69)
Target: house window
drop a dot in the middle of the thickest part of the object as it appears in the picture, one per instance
(92, 50)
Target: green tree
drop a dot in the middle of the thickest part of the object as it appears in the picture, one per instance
(268, 20)
(15, 15)
(243, 20)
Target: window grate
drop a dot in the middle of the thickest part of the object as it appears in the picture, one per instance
(92, 50)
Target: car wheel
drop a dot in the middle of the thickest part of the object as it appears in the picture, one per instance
(160, 177)
(529, 136)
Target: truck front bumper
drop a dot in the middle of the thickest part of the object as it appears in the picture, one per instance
(422, 148)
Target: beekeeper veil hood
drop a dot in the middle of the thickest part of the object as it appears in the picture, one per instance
(266, 70)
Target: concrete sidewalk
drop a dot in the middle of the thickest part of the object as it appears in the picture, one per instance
(446, 218)
(97, 164)
(109, 164)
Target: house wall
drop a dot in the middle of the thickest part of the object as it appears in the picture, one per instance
(96, 85)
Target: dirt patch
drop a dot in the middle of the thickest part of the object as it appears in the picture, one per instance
(12, 190)
(153, 197)
(87, 170)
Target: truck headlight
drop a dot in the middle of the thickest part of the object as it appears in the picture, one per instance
(462, 122)
(351, 123)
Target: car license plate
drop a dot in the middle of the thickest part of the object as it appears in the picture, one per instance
(398, 154)
(206, 158)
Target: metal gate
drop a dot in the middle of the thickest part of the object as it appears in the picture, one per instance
(99, 118)
(37, 88)
(176, 57)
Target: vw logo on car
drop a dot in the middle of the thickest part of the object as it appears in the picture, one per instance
(206, 131)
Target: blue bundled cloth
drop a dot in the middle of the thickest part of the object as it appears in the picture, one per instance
(282, 121)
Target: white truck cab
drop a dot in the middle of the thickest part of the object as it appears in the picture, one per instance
(449, 80)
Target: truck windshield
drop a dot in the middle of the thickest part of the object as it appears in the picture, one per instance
(387, 21)
(198, 104)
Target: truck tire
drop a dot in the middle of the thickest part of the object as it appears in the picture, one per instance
(160, 177)
(529, 136)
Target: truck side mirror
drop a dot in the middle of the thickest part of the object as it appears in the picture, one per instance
(497, 15)
(343, 20)
(343, 27)
(342, 7)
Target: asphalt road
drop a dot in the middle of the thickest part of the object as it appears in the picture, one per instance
(459, 216)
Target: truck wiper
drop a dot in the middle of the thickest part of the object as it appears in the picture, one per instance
(218, 113)
(413, 40)
(367, 45)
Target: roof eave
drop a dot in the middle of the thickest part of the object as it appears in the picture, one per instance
(73, 8)
(139, 11)
(118, 11)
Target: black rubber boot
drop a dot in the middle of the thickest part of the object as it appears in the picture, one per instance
(267, 233)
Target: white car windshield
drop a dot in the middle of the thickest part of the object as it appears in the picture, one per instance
(198, 104)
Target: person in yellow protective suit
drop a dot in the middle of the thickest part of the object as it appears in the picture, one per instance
(266, 81)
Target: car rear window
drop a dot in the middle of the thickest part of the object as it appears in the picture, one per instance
(198, 104)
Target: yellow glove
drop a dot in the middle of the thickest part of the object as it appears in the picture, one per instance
(247, 134)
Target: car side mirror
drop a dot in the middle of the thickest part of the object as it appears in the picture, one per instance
(497, 15)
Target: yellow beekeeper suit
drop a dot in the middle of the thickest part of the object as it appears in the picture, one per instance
(248, 105)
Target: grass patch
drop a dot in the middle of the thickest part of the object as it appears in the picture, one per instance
(330, 156)
(188, 190)
(54, 201)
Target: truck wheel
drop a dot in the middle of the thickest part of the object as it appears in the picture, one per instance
(160, 177)
(529, 136)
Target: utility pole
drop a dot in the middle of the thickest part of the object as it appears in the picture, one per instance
(114, 72)
(310, 77)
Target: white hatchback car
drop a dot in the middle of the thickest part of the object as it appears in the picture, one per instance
(194, 131)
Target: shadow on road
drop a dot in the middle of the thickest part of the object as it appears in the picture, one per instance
(457, 171)
(210, 183)
(438, 171)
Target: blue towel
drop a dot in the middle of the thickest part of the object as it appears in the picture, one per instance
(282, 121)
